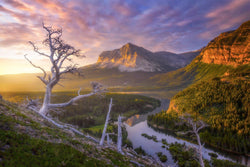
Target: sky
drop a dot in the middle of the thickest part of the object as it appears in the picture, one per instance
(98, 25)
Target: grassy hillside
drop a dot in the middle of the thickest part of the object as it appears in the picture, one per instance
(175, 81)
(26, 139)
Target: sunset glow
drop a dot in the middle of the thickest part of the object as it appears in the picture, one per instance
(96, 26)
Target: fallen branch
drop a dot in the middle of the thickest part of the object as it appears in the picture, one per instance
(106, 124)
(136, 163)
(64, 126)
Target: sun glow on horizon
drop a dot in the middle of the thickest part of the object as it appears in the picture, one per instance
(20, 66)
(16, 66)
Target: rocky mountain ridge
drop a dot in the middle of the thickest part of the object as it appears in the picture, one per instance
(226, 56)
(132, 58)
(229, 48)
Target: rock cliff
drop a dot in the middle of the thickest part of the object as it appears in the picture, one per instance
(229, 48)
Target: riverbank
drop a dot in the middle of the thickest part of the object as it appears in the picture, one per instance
(141, 126)
(185, 137)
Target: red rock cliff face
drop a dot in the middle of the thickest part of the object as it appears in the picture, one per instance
(229, 48)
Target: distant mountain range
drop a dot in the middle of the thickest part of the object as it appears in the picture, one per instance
(129, 67)
(133, 68)
(132, 58)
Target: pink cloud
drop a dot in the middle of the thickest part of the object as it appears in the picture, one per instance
(15, 34)
(94, 26)
(19, 5)
(223, 17)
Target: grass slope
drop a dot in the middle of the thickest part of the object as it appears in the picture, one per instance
(26, 139)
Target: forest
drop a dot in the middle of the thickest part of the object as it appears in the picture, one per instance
(222, 103)
(92, 111)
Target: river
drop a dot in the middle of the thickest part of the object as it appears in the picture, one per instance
(136, 125)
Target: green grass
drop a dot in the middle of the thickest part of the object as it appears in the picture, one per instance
(97, 130)
(195, 71)
(140, 151)
(28, 140)
(22, 150)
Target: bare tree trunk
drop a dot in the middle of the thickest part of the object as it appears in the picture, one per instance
(196, 127)
(108, 141)
(45, 107)
(119, 136)
(199, 149)
(106, 124)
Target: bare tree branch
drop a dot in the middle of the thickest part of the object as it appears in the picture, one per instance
(196, 126)
(43, 79)
(79, 91)
(71, 100)
(37, 51)
(60, 53)
(202, 125)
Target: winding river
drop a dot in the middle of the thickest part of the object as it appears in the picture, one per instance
(136, 125)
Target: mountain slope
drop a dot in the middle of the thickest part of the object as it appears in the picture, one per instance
(228, 50)
(218, 94)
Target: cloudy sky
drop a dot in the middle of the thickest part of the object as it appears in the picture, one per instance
(97, 25)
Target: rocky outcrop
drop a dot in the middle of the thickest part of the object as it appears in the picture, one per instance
(128, 58)
(134, 58)
(229, 48)
(172, 107)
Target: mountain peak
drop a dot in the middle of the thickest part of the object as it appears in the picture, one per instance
(129, 45)
(128, 58)
(132, 49)
(229, 48)
(135, 58)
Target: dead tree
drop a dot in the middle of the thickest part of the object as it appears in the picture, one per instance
(108, 139)
(59, 54)
(196, 127)
(106, 125)
(119, 135)
(32, 103)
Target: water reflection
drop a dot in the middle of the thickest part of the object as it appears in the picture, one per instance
(140, 118)
(136, 125)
